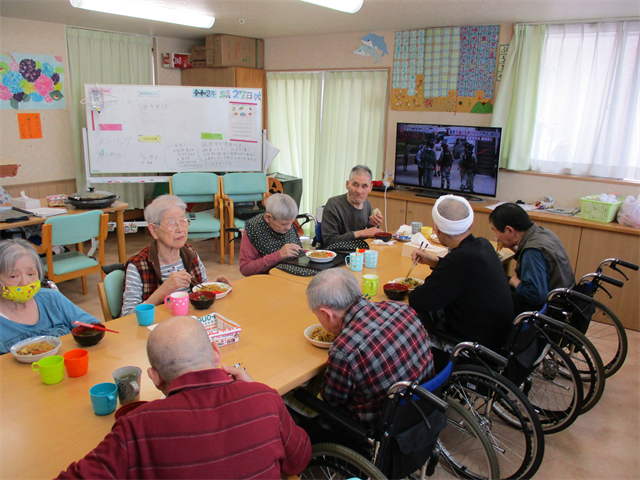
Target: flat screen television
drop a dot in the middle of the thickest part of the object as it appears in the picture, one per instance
(471, 152)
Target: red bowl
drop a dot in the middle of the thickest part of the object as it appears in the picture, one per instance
(395, 291)
(202, 304)
(384, 236)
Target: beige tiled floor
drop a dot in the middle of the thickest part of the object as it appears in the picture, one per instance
(602, 444)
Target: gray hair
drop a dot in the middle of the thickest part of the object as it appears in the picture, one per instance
(179, 345)
(360, 170)
(282, 207)
(155, 210)
(13, 250)
(453, 210)
(335, 288)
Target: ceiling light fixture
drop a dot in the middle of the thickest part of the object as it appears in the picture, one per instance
(348, 6)
(146, 11)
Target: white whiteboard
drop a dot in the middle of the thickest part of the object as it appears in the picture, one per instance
(153, 129)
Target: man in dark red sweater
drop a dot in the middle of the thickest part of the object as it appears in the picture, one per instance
(214, 423)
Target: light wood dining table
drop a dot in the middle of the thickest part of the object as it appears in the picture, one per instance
(117, 207)
(46, 427)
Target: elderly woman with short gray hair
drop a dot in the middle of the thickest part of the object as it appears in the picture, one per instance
(169, 264)
(271, 238)
(26, 310)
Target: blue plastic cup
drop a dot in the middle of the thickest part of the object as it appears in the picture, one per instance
(371, 258)
(104, 398)
(354, 261)
(145, 313)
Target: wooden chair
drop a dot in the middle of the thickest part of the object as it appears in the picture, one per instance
(239, 188)
(201, 188)
(110, 291)
(73, 229)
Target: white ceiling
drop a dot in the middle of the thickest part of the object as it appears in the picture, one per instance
(285, 18)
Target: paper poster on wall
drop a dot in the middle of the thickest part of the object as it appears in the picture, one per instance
(29, 126)
(31, 82)
(243, 122)
(445, 69)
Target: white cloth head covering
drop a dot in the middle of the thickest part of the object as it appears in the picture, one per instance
(452, 227)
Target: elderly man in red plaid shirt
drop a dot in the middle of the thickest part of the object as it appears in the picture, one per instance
(214, 423)
(377, 345)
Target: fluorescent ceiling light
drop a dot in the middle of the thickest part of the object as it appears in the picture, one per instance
(146, 11)
(348, 6)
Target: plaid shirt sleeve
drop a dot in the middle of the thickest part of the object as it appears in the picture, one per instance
(338, 378)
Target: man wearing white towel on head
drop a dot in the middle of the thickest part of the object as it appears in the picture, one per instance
(467, 294)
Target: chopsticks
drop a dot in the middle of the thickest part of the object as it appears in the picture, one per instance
(415, 262)
(94, 326)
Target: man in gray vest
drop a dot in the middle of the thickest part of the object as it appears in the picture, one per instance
(542, 262)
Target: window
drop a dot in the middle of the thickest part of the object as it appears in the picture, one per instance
(324, 123)
(587, 120)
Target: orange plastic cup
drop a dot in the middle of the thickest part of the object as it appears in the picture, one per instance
(77, 362)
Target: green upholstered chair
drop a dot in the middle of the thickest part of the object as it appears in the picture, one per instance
(110, 292)
(201, 188)
(73, 229)
(239, 188)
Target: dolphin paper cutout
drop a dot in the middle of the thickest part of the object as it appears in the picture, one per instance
(365, 51)
(375, 41)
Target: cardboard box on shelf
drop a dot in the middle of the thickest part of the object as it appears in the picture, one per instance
(176, 60)
(198, 64)
(198, 53)
(232, 51)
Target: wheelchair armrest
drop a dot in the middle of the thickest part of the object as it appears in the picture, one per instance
(330, 414)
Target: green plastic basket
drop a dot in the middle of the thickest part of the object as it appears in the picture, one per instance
(594, 209)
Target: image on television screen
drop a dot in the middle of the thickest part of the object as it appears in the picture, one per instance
(448, 159)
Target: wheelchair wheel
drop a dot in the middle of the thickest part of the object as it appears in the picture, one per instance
(609, 336)
(505, 415)
(587, 361)
(333, 461)
(463, 449)
(554, 389)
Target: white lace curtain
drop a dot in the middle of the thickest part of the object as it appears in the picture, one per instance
(324, 123)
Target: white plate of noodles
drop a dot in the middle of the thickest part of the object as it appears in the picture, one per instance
(321, 256)
(220, 289)
(318, 336)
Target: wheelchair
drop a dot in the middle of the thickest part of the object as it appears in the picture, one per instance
(409, 439)
(543, 371)
(593, 319)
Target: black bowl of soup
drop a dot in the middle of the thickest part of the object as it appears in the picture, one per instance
(395, 291)
(202, 300)
(86, 336)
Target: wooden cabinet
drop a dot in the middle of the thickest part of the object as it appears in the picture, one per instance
(587, 243)
(241, 77)
(595, 246)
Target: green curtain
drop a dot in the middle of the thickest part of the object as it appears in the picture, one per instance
(108, 58)
(517, 98)
(294, 127)
(353, 129)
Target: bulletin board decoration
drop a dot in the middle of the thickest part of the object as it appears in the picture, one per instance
(31, 82)
(445, 69)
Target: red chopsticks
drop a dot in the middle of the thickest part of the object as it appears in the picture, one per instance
(94, 326)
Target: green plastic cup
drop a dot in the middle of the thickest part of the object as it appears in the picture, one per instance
(51, 369)
(370, 285)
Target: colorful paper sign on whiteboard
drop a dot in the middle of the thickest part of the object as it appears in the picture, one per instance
(29, 125)
(243, 122)
(211, 136)
(110, 127)
(31, 82)
(149, 138)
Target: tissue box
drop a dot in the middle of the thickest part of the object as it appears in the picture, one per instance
(28, 204)
(408, 248)
(220, 329)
